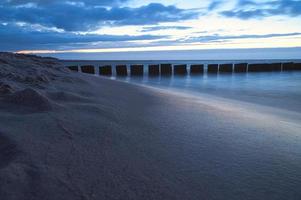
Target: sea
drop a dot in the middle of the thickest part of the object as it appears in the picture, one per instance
(275, 89)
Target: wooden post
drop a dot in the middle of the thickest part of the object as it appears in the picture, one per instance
(226, 68)
(240, 67)
(153, 70)
(166, 69)
(297, 66)
(105, 70)
(196, 69)
(180, 69)
(288, 66)
(258, 67)
(136, 70)
(121, 70)
(275, 66)
(89, 69)
(212, 68)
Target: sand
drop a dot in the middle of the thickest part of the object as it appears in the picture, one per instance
(65, 135)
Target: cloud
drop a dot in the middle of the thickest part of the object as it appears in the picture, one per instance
(14, 38)
(216, 37)
(246, 2)
(215, 4)
(47, 2)
(245, 14)
(248, 9)
(78, 17)
(57, 24)
(158, 28)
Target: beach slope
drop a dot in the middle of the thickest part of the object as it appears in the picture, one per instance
(65, 135)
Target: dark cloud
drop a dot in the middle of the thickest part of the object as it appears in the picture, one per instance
(30, 24)
(153, 13)
(15, 38)
(248, 9)
(76, 17)
(158, 28)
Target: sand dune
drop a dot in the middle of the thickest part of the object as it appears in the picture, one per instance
(71, 136)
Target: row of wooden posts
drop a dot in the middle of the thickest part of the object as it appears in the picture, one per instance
(182, 69)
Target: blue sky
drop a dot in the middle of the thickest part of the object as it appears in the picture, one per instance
(66, 26)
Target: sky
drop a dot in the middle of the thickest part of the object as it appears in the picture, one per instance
(71, 27)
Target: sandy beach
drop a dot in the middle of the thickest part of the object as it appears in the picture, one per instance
(65, 135)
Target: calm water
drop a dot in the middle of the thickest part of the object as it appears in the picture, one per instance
(276, 89)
